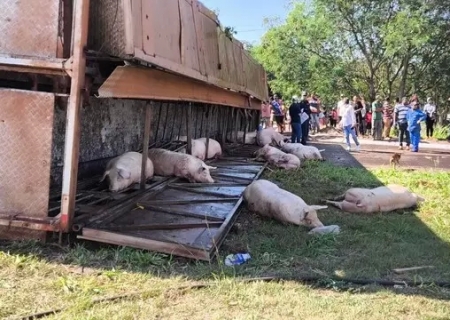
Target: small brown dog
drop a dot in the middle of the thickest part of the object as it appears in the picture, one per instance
(395, 159)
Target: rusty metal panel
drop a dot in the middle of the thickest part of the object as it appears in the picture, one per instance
(224, 73)
(189, 47)
(161, 29)
(29, 28)
(182, 36)
(254, 80)
(26, 124)
(232, 66)
(240, 73)
(211, 45)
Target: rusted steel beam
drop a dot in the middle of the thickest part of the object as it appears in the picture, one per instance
(158, 122)
(230, 219)
(179, 212)
(72, 140)
(174, 117)
(169, 202)
(205, 192)
(203, 185)
(143, 243)
(148, 120)
(188, 128)
(223, 175)
(67, 31)
(162, 226)
(47, 224)
(39, 65)
(245, 125)
(207, 132)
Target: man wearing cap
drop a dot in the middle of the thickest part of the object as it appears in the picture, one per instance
(430, 110)
(377, 118)
(306, 114)
(294, 113)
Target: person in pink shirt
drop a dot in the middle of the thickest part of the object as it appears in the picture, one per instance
(265, 114)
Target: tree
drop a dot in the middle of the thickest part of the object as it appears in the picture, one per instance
(386, 47)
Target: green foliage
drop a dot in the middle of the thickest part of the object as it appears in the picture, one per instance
(441, 132)
(386, 47)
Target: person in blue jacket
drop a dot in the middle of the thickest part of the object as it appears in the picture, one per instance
(414, 117)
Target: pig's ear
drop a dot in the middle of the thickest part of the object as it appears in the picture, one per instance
(419, 198)
(359, 204)
(316, 207)
(125, 174)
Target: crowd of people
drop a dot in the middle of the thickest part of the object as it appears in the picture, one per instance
(356, 118)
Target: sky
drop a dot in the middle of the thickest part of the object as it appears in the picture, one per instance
(247, 16)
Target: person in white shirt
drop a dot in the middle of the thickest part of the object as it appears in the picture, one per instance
(349, 124)
(340, 108)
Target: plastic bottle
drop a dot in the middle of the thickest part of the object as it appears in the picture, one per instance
(237, 259)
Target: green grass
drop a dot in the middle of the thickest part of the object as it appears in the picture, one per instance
(34, 277)
(441, 133)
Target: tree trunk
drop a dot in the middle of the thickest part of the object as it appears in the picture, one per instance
(402, 90)
(372, 91)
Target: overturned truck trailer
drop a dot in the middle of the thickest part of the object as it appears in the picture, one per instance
(82, 82)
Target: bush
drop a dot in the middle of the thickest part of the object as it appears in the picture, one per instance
(441, 132)
(394, 131)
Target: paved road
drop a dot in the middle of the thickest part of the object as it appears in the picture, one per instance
(369, 143)
(379, 156)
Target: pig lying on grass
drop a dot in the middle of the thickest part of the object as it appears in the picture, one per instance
(277, 158)
(169, 163)
(125, 170)
(382, 199)
(270, 136)
(302, 152)
(268, 200)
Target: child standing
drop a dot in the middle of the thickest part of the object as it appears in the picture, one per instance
(265, 114)
(369, 123)
(333, 117)
(414, 117)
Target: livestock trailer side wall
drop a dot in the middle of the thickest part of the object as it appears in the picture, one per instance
(110, 127)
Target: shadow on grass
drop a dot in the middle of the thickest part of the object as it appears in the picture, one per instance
(369, 246)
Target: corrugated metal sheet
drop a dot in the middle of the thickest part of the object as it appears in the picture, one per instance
(179, 218)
